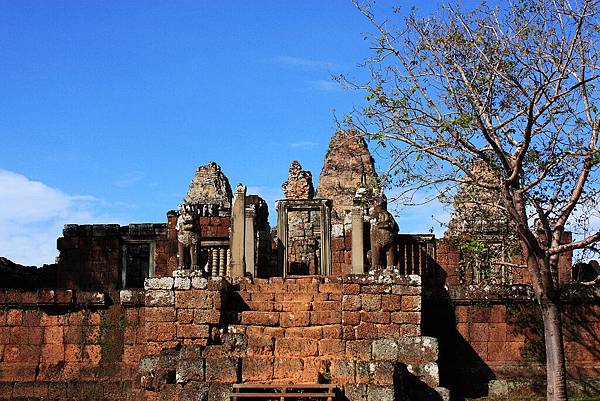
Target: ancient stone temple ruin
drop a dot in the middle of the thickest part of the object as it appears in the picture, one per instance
(215, 303)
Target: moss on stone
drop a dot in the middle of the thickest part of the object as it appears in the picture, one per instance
(112, 334)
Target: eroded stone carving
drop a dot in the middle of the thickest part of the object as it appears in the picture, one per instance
(188, 236)
(383, 234)
(299, 184)
(210, 188)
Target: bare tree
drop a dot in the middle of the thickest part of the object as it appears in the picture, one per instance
(513, 88)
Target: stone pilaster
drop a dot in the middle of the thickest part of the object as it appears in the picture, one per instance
(238, 223)
(249, 241)
(358, 246)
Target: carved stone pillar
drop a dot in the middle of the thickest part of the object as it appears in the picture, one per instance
(249, 242)
(215, 262)
(222, 264)
(228, 256)
(358, 246)
(282, 232)
(238, 223)
(326, 237)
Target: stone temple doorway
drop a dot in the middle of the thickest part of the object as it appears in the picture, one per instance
(304, 237)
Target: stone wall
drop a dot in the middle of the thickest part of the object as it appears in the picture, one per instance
(91, 256)
(341, 252)
(487, 348)
(187, 335)
(491, 340)
(360, 332)
(22, 277)
(64, 344)
(449, 261)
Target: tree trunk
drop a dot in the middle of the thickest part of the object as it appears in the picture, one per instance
(548, 296)
(555, 354)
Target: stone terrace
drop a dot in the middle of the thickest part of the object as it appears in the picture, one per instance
(360, 332)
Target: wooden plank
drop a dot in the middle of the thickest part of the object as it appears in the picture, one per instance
(285, 395)
(283, 391)
(300, 386)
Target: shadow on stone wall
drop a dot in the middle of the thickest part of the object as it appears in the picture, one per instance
(417, 390)
(519, 369)
(581, 322)
(462, 371)
(22, 277)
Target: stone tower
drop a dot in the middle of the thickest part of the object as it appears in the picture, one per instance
(348, 165)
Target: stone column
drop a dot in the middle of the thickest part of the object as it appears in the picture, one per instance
(215, 262)
(222, 265)
(358, 246)
(325, 211)
(282, 232)
(249, 242)
(238, 223)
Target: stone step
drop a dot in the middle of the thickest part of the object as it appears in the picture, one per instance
(290, 287)
(283, 302)
(285, 319)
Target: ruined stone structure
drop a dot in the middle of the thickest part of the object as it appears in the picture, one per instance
(482, 232)
(303, 232)
(335, 294)
(348, 166)
(299, 184)
(210, 187)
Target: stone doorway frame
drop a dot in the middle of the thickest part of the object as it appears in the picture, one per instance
(285, 206)
(151, 265)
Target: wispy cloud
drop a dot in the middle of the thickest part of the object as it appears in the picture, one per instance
(422, 216)
(128, 179)
(324, 85)
(304, 145)
(304, 62)
(431, 217)
(32, 215)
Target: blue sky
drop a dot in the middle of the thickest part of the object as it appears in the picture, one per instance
(108, 107)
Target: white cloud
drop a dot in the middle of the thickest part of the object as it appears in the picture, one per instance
(422, 219)
(304, 145)
(304, 62)
(422, 216)
(324, 85)
(32, 216)
(129, 179)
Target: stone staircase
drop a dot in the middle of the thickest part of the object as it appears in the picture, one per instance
(356, 333)
(360, 333)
